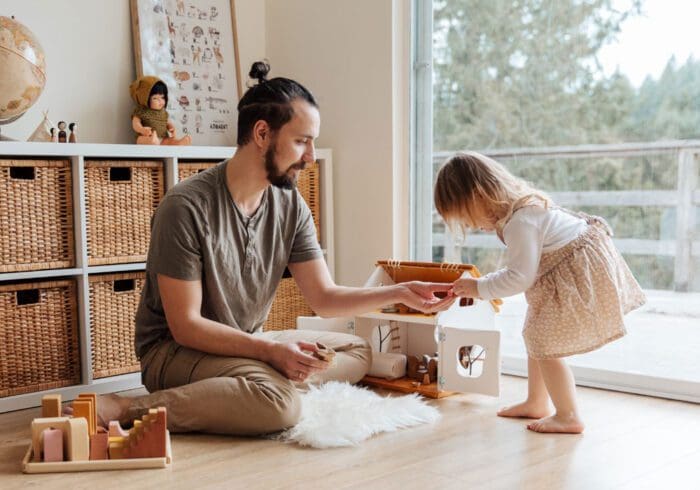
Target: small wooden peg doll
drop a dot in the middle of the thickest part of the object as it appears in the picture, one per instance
(62, 135)
(72, 128)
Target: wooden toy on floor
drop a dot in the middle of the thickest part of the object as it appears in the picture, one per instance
(77, 443)
(99, 444)
(148, 437)
(52, 444)
(51, 406)
(115, 430)
(75, 436)
(85, 408)
(92, 421)
(324, 353)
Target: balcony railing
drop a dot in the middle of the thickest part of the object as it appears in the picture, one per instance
(685, 198)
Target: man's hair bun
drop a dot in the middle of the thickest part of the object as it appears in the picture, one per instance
(259, 71)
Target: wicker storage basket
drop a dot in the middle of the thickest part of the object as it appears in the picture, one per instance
(39, 348)
(310, 189)
(287, 306)
(113, 302)
(188, 169)
(289, 302)
(121, 197)
(37, 214)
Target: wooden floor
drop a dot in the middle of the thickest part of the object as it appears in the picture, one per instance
(631, 442)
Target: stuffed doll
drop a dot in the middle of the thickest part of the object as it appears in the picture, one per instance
(150, 118)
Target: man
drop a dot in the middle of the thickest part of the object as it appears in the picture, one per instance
(219, 245)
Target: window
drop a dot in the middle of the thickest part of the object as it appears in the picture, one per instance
(598, 104)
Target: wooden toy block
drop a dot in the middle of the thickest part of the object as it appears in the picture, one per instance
(38, 427)
(99, 444)
(52, 445)
(28, 466)
(148, 438)
(324, 353)
(115, 430)
(51, 406)
(93, 397)
(84, 408)
(64, 444)
(116, 450)
(78, 440)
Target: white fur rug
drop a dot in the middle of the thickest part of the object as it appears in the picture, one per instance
(340, 414)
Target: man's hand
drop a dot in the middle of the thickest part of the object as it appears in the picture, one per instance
(465, 288)
(289, 359)
(421, 296)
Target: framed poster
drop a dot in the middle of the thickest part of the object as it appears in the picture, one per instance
(191, 45)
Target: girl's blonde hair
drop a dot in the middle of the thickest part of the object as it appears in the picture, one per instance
(469, 178)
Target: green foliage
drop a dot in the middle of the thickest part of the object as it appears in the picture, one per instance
(668, 108)
(525, 73)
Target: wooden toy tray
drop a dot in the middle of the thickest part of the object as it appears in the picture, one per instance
(29, 466)
(406, 385)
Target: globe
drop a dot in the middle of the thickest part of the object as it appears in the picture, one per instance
(22, 69)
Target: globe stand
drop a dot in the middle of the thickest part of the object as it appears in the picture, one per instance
(5, 138)
(8, 121)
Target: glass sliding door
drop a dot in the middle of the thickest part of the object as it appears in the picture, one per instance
(577, 99)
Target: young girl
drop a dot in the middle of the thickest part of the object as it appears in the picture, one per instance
(576, 283)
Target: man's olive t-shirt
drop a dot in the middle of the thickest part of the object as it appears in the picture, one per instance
(198, 233)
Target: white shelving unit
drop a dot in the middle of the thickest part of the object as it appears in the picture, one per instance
(77, 153)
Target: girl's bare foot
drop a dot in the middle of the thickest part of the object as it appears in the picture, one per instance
(570, 424)
(109, 407)
(527, 409)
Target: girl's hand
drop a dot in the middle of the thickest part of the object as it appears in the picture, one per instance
(146, 131)
(465, 288)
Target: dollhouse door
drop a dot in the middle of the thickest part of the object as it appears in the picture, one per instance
(469, 360)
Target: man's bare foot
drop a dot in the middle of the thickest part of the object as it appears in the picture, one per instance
(109, 407)
(527, 409)
(557, 423)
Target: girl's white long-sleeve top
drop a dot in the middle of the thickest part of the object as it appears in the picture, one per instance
(531, 231)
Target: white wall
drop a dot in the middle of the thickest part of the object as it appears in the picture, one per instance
(353, 56)
(90, 62)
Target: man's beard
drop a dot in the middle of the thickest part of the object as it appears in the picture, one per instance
(277, 178)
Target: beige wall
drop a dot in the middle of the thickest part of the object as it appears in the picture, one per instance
(353, 54)
(90, 59)
(344, 52)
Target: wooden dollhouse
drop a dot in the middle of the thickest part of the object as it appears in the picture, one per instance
(457, 350)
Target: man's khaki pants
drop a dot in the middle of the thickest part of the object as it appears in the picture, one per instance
(232, 395)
